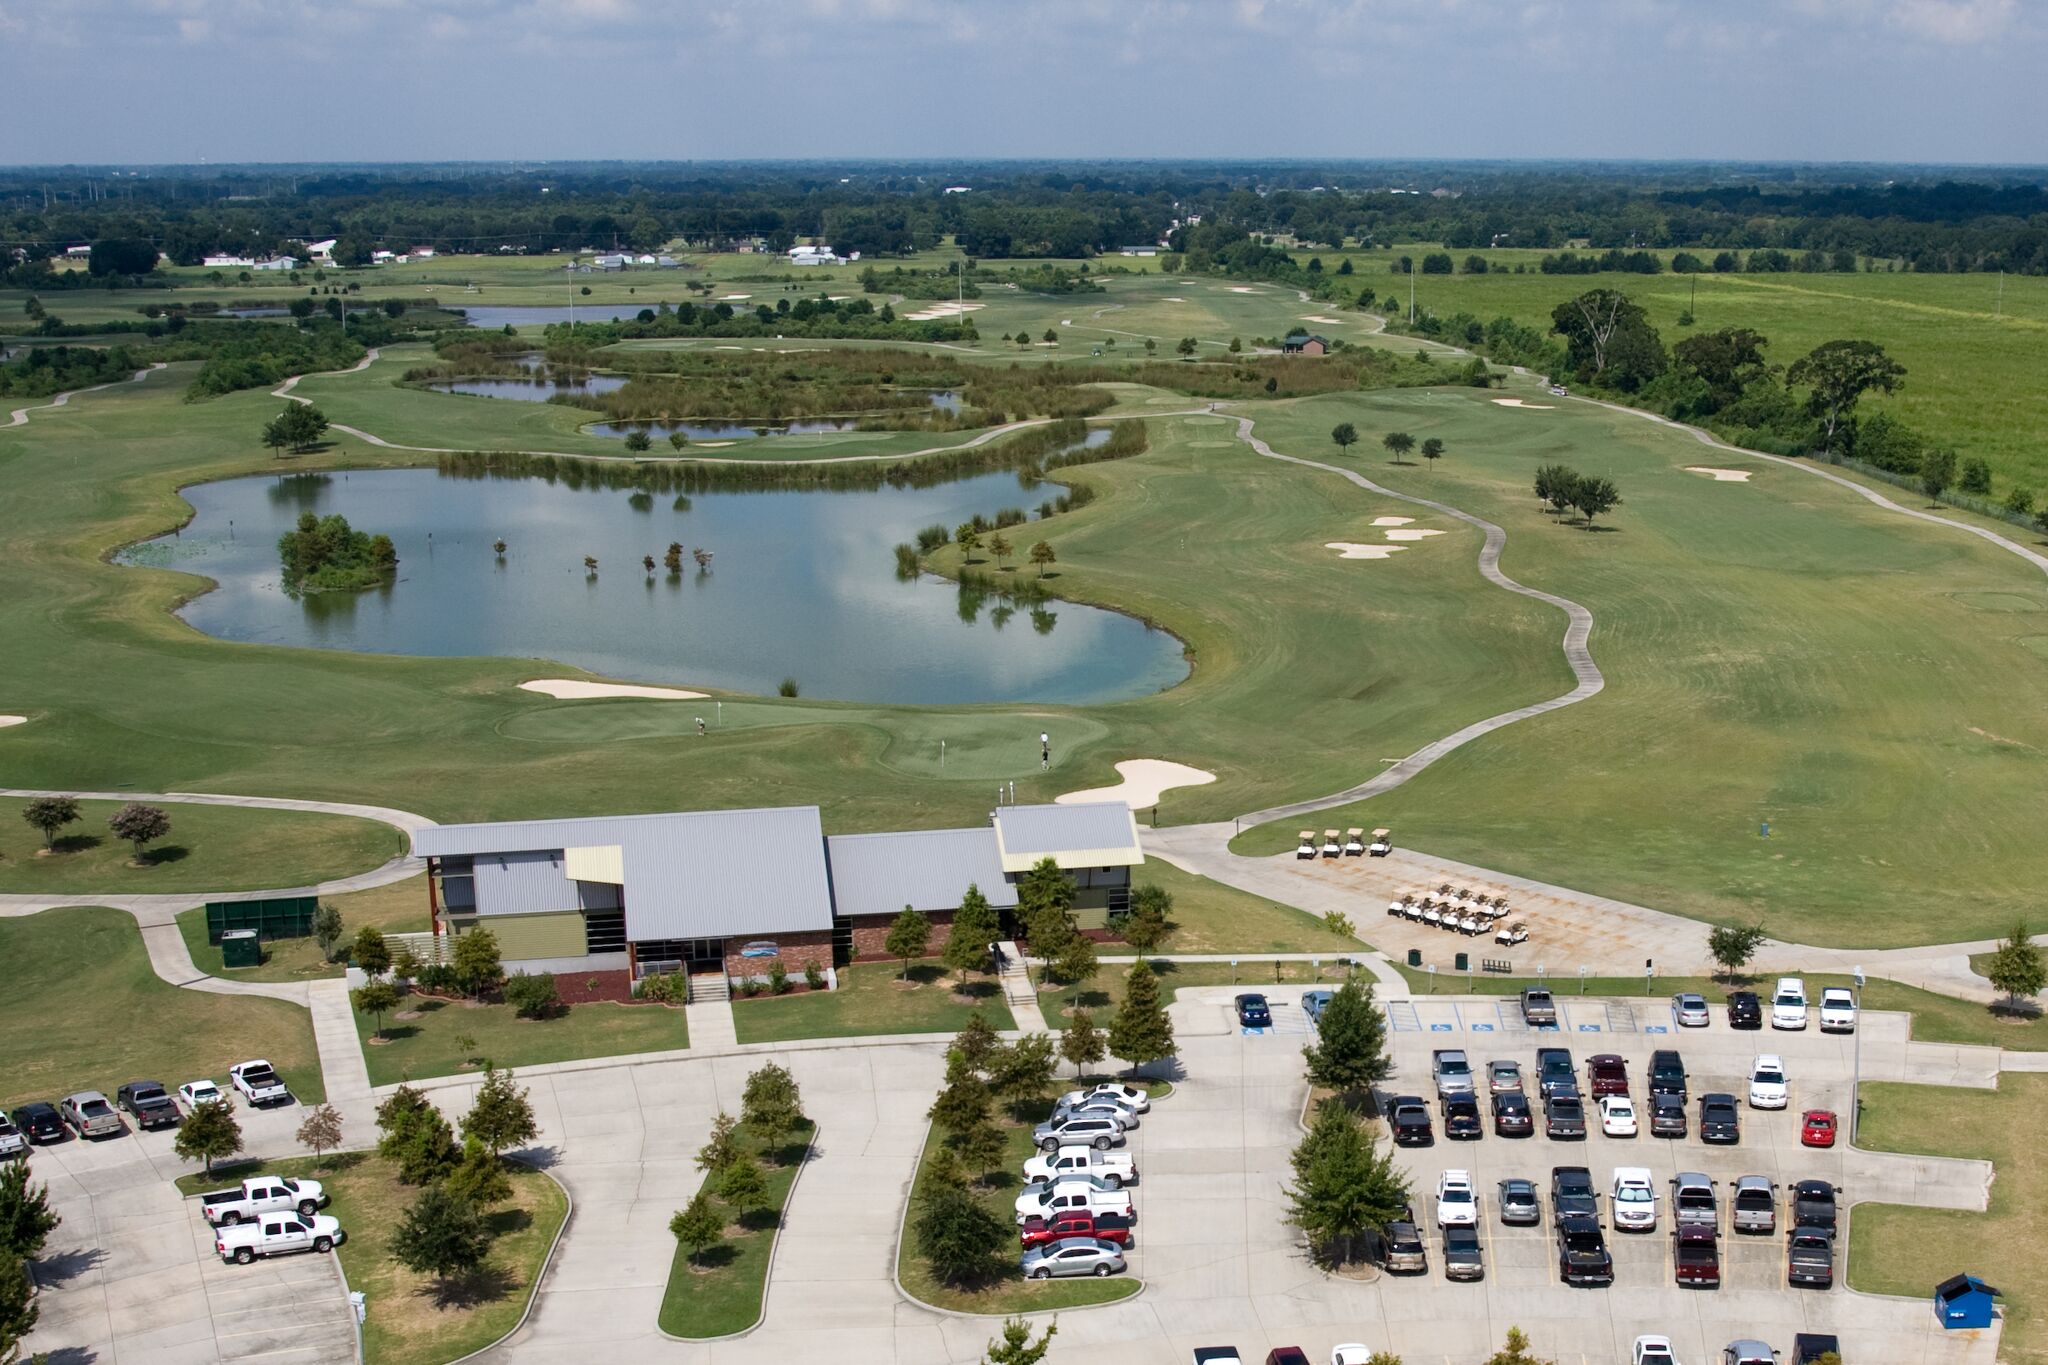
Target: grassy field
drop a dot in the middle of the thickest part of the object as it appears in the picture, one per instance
(79, 978)
(1899, 1250)
(407, 1325)
(431, 1044)
(871, 999)
(1775, 651)
(1209, 917)
(721, 1292)
(399, 907)
(209, 848)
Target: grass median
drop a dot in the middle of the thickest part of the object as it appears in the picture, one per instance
(721, 1290)
(872, 998)
(409, 1322)
(432, 1036)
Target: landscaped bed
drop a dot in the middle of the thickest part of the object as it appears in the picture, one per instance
(720, 1291)
(436, 1036)
(406, 1323)
(872, 998)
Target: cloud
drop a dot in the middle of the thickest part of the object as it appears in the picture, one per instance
(1956, 22)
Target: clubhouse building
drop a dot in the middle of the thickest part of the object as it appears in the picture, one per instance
(732, 891)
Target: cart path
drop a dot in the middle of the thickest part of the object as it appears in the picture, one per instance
(1578, 628)
(19, 417)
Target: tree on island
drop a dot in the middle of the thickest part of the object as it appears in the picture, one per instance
(326, 554)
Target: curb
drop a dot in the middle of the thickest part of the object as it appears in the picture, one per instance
(768, 1275)
(547, 1263)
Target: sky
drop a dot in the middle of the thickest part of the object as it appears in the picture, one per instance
(155, 81)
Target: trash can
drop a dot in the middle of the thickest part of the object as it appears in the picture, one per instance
(1415, 957)
(241, 948)
(1462, 963)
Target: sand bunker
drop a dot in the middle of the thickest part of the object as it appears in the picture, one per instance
(729, 298)
(1410, 535)
(1171, 299)
(1317, 317)
(1350, 549)
(569, 689)
(1145, 780)
(1392, 521)
(1720, 475)
(951, 308)
(1518, 403)
(6, 721)
(1242, 289)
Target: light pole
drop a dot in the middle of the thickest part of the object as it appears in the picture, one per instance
(1856, 1066)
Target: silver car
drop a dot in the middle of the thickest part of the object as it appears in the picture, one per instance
(1504, 1078)
(1098, 1131)
(12, 1143)
(1074, 1256)
(1098, 1106)
(1690, 1010)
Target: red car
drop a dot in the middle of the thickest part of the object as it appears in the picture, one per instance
(1817, 1128)
(1106, 1227)
(1606, 1075)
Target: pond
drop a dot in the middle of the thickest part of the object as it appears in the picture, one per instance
(801, 585)
(540, 386)
(538, 315)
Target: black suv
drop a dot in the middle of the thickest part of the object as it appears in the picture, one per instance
(1813, 1205)
(1572, 1194)
(1667, 1074)
(1745, 1010)
(1461, 1119)
(1511, 1116)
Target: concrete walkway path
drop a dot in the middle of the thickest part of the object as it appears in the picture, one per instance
(19, 417)
(711, 1024)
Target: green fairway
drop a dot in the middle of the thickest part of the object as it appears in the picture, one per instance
(209, 848)
(435, 1037)
(78, 978)
(872, 998)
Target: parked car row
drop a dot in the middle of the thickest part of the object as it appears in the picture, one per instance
(1788, 1010)
(269, 1215)
(90, 1114)
(1074, 1214)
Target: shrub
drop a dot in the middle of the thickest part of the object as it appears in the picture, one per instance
(778, 977)
(813, 976)
(664, 988)
(435, 976)
(534, 996)
(751, 987)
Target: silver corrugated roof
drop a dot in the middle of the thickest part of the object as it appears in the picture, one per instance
(535, 883)
(930, 869)
(1031, 830)
(689, 874)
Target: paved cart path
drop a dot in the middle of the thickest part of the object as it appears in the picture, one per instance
(19, 417)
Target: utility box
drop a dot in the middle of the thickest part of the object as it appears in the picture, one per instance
(1462, 963)
(241, 948)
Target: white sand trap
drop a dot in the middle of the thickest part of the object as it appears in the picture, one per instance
(732, 298)
(1317, 317)
(950, 308)
(1410, 535)
(569, 689)
(1392, 521)
(1518, 403)
(1145, 780)
(1171, 299)
(1350, 549)
(1242, 289)
(1720, 475)
(728, 348)
(6, 721)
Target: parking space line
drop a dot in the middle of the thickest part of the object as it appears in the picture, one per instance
(1621, 1017)
(1511, 1020)
(1402, 1018)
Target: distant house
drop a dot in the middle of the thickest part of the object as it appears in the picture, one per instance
(959, 189)
(643, 260)
(77, 252)
(1137, 251)
(814, 255)
(666, 262)
(423, 253)
(322, 252)
(614, 260)
(381, 257)
(1305, 344)
(277, 263)
(227, 261)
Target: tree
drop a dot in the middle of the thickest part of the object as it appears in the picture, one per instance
(477, 967)
(1937, 472)
(1016, 1346)
(1042, 555)
(371, 952)
(501, 1115)
(1237, 345)
(909, 934)
(722, 1148)
(1050, 336)
(327, 928)
(375, 998)
(976, 1042)
(2017, 967)
(978, 1149)
(48, 814)
(533, 995)
(1345, 1192)
(1609, 338)
(1141, 1032)
(1076, 960)
(121, 256)
(1083, 1043)
(1592, 495)
(1733, 945)
(1398, 443)
(18, 1307)
(299, 426)
(975, 927)
(590, 565)
(415, 1137)
(1516, 1351)
(1432, 449)
(964, 1100)
(139, 825)
(960, 1237)
(698, 1226)
(1350, 1051)
(321, 1130)
(1146, 927)
(1345, 435)
(479, 1177)
(999, 546)
(742, 1185)
(1726, 361)
(637, 441)
(208, 1134)
(1187, 346)
(968, 539)
(772, 1105)
(1022, 1071)
(26, 1219)
(442, 1234)
(1554, 485)
(1839, 373)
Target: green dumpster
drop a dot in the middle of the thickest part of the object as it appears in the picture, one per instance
(1462, 963)
(241, 948)
(1415, 957)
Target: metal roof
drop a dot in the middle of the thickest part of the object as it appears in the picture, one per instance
(1094, 834)
(879, 874)
(690, 874)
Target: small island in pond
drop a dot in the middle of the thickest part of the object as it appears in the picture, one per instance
(326, 554)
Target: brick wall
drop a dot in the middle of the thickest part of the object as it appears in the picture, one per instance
(793, 949)
(870, 931)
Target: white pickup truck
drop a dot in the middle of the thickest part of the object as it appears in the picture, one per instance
(260, 1195)
(258, 1083)
(1043, 1201)
(1116, 1167)
(278, 1234)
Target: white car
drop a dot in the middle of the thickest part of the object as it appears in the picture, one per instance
(1652, 1350)
(1767, 1088)
(1128, 1095)
(1618, 1116)
(1457, 1204)
(1635, 1200)
(1788, 1003)
(1837, 1010)
(1350, 1353)
(196, 1093)
(1116, 1167)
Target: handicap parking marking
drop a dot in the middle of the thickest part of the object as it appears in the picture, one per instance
(1442, 1028)
(1402, 1018)
(1656, 1028)
(1480, 1028)
(1589, 1028)
(1510, 1014)
(1253, 1032)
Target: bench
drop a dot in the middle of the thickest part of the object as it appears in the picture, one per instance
(1496, 964)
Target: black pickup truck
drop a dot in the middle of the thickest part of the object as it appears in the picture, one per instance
(1582, 1253)
(150, 1103)
(1408, 1116)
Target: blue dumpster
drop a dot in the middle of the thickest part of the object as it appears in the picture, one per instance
(1965, 1301)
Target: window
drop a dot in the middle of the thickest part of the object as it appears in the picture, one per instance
(604, 931)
